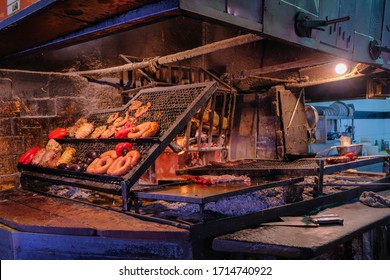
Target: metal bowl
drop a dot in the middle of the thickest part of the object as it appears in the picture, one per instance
(356, 149)
(311, 116)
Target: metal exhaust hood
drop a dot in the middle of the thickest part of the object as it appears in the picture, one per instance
(353, 30)
(49, 23)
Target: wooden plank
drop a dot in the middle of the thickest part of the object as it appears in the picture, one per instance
(25, 218)
(32, 212)
(245, 120)
(303, 243)
(294, 122)
(268, 124)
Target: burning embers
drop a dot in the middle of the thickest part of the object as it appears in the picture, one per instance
(232, 206)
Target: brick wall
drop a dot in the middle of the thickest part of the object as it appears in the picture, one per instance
(32, 104)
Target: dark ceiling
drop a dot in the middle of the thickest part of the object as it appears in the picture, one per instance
(47, 20)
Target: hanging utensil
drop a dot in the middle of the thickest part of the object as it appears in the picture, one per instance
(326, 150)
(295, 109)
(312, 118)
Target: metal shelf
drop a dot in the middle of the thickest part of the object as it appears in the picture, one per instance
(323, 128)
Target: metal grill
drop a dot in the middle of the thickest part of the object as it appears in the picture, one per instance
(171, 107)
(256, 168)
(167, 104)
(84, 147)
(270, 164)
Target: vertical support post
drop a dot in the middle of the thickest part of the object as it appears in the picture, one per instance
(348, 250)
(137, 204)
(125, 206)
(201, 212)
(318, 191)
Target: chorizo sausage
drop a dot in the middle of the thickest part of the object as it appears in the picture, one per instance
(100, 165)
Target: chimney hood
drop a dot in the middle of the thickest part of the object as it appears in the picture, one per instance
(353, 30)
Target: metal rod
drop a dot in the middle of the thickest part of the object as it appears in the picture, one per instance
(117, 69)
(124, 188)
(202, 213)
(320, 180)
(139, 70)
(295, 109)
(211, 120)
(304, 84)
(336, 20)
(154, 62)
(209, 48)
(358, 185)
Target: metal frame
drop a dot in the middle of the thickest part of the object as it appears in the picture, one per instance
(260, 167)
(310, 167)
(150, 148)
(202, 233)
(192, 193)
(166, 74)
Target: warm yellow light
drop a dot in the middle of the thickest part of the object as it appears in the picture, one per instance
(341, 68)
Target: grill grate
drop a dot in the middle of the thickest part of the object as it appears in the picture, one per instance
(270, 164)
(83, 147)
(172, 107)
(166, 105)
(256, 168)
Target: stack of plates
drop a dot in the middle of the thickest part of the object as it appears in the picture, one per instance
(337, 108)
(340, 108)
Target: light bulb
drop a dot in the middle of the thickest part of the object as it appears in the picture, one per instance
(341, 68)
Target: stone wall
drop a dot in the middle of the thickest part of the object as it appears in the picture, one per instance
(32, 104)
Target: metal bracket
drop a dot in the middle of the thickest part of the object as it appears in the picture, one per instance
(375, 50)
(319, 186)
(304, 26)
(137, 204)
(126, 205)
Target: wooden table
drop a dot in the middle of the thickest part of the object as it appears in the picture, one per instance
(305, 242)
(35, 226)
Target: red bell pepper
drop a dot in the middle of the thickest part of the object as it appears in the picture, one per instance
(351, 156)
(57, 133)
(123, 133)
(125, 130)
(27, 157)
(123, 148)
(129, 124)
